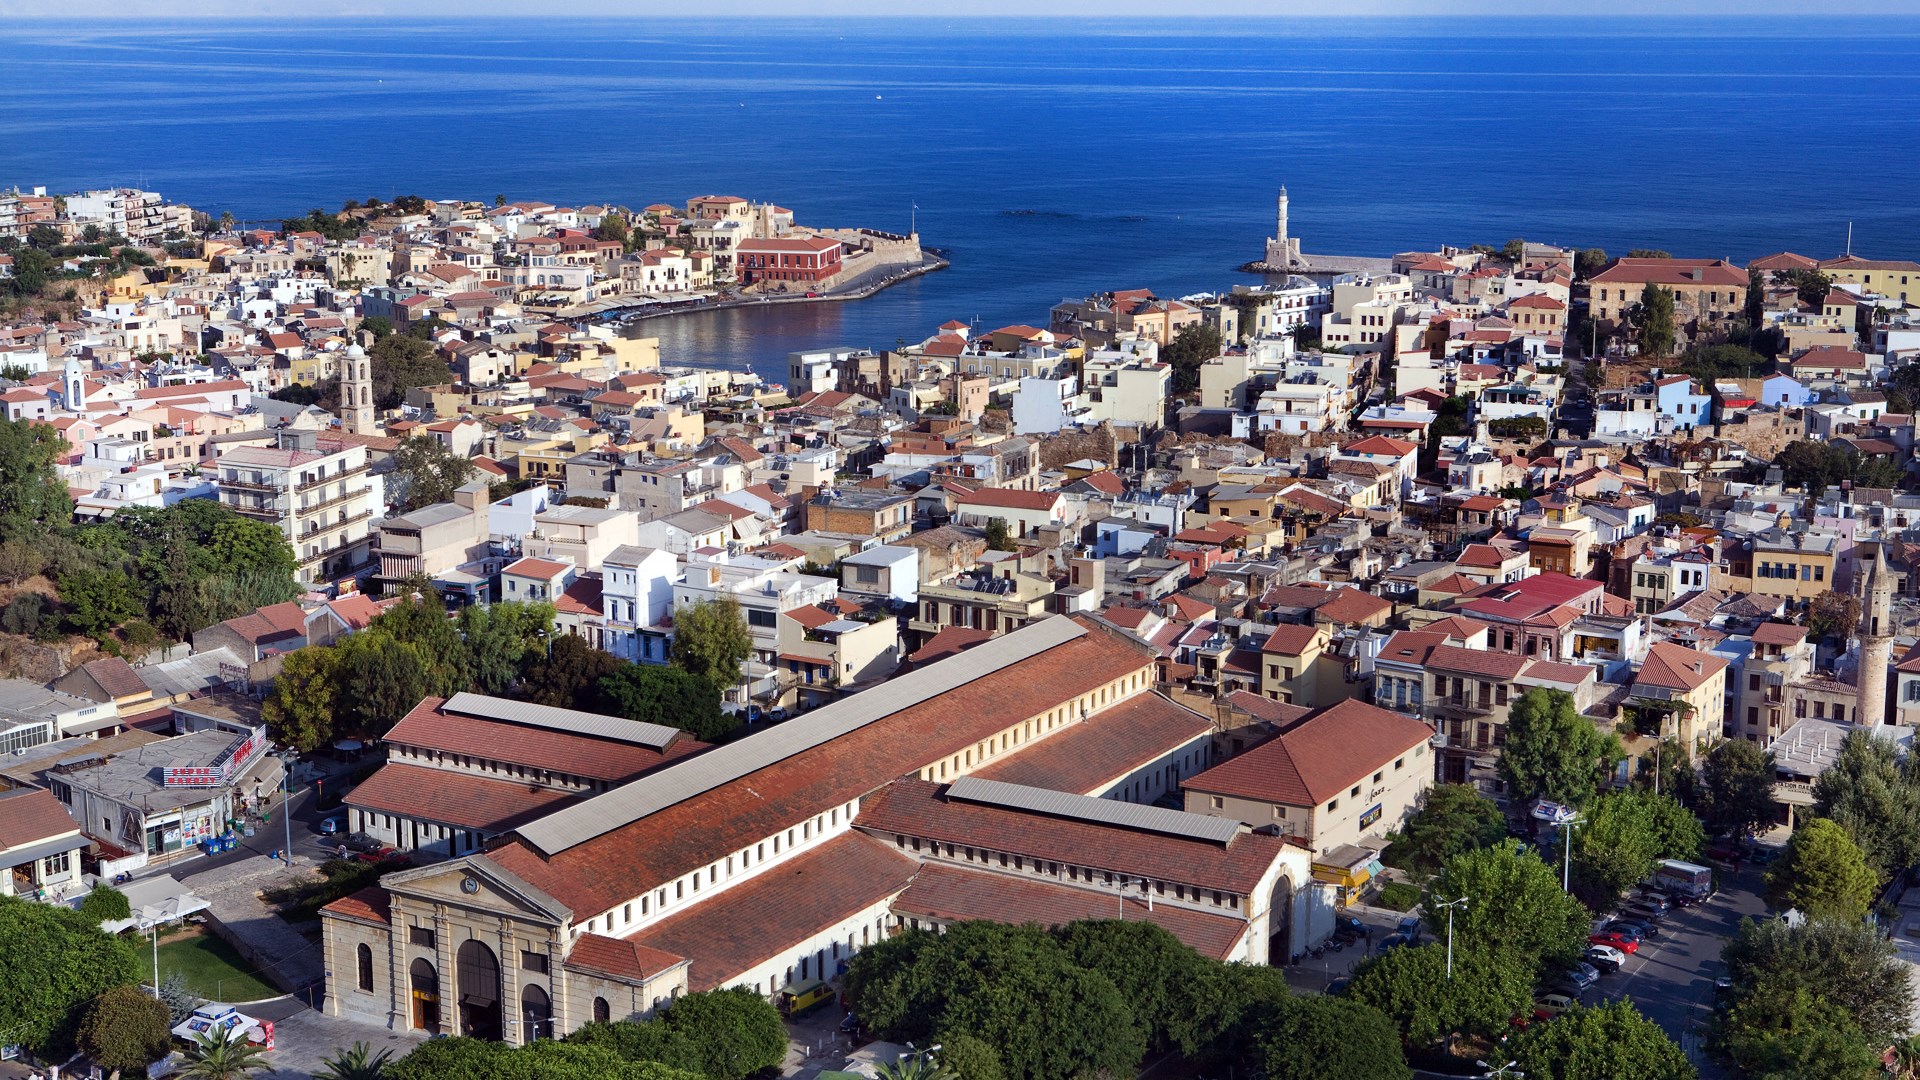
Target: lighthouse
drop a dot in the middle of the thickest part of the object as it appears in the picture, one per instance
(1282, 249)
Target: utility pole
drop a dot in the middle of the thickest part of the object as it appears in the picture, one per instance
(1566, 869)
(1450, 905)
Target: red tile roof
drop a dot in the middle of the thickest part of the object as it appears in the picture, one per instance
(1784, 634)
(1318, 758)
(1273, 712)
(950, 641)
(1492, 665)
(368, 905)
(957, 894)
(30, 815)
(1016, 500)
(1289, 639)
(599, 873)
(1107, 746)
(116, 677)
(428, 727)
(918, 808)
(616, 958)
(1676, 668)
(1352, 606)
(544, 569)
(454, 798)
(757, 920)
(1381, 445)
(1697, 272)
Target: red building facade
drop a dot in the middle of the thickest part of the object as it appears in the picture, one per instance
(790, 258)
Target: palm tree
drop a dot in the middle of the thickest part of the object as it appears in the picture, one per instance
(222, 1055)
(358, 1063)
(919, 1068)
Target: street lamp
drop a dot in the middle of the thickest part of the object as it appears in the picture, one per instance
(1500, 1070)
(1450, 905)
(1566, 868)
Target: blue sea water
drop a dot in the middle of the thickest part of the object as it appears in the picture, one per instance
(1050, 157)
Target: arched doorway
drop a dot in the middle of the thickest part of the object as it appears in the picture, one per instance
(536, 1014)
(479, 987)
(424, 983)
(1280, 922)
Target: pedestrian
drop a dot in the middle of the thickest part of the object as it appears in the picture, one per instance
(341, 851)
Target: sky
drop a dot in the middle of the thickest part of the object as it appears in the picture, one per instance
(1105, 9)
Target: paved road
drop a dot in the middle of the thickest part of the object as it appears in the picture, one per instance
(1671, 979)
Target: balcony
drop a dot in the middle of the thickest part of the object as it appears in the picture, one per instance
(242, 484)
(308, 508)
(334, 526)
(1464, 706)
(322, 481)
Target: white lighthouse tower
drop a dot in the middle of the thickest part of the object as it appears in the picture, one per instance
(1282, 249)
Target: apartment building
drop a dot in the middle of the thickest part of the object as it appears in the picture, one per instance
(317, 489)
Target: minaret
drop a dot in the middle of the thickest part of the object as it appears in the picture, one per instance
(1876, 640)
(356, 392)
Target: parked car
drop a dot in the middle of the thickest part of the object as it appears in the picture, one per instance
(1580, 976)
(1632, 928)
(1410, 926)
(1619, 941)
(1552, 1005)
(362, 842)
(1339, 985)
(1647, 909)
(1764, 854)
(1605, 957)
(1351, 926)
(381, 854)
(1391, 942)
(332, 824)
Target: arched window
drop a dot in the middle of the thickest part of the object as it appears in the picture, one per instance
(364, 956)
(425, 984)
(601, 1011)
(536, 1014)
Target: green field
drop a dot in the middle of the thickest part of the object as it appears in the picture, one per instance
(213, 969)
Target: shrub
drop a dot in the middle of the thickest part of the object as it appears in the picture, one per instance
(1399, 896)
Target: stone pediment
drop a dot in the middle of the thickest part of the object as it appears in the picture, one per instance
(477, 883)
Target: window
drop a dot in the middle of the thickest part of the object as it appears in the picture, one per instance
(1355, 792)
(1220, 803)
(363, 957)
(1332, 805)
(420, 935)
(533, 961)
(57, 864)
(601, 1013)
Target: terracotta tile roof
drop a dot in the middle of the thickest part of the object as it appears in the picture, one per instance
(950, 641)
(368, 905)
(1483, 556)
(454, 798)
(1352, 606)
(1784, 634)
(1106, 747)
(1106, 482)
(1317, 759)
(616, 958)
(428, 727)
(595, 875)
(544, 569)
(582, 597)
(811, 616)
(1672, 667)
(1289, 639)
(116, 677)
(1014, 500)
(1696, 272)
(1381, 445)
(1411, 647)
(1481, 662)
(920, 808)
(1274, 712)
(30, 815)
(750, 923)
(956, 894)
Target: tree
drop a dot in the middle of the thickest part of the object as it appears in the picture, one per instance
(734, 1032)
(711, 640)
(24, 614)
(1608, 1042)
(1809, 1000)
(57, 961)
(1657, 329)
(419, 618)
(33, 499)
(1552, 751)
(300, 709)
(1329, 1038)
(1452, 819)
(1589, 261)
(98, 601)
(379, 680)
(243, 546)
(1195, 344)
(998, 537)
(1823, 875)
(425, 472)
(1736, 788)
(20, 560)
(1648, 253)
(1815, 465)
(500, 638)
(124, 1030)
(1411, 988)
(1810, 286)
(105, 902)
(1148, 965)
(612, 227)
(969, 1058)
(401, 362)
(653, 694)
(222, 1055)
(568, 675)
(1832, 614)
(1625, 835)
(1221, 1013)
(32, 270)
(1515, 904)
(1871, 794)
(915, 1068)
(378, 325)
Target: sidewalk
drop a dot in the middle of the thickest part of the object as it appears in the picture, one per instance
(283, 954)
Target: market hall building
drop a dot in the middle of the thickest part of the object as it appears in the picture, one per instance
(773, 859)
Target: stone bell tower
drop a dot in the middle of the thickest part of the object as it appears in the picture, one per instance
(356, 391)
(1876, 639)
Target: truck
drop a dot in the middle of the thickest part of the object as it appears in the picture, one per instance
(1684, 878)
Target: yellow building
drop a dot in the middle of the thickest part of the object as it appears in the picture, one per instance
(1892, 278)
(1693, 683)
(1794, 566)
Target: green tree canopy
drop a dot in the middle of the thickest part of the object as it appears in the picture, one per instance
(1625, 835)
(301, 708)
(401, 362)
(501, 638)
(1657, 329)
(425, 472)
(734, 1033)
(1452, 819)
(125, 1029)
(1736, 788)
(1514, 905)
(1553, 752)
(379, 680)
(1875, 797)
(1223, 1010)
(57, 960)
(33, 499)
(1609, 1042)
(105, 902)
(1589, 261)
(1329, 1038)
(1149, 966)
(711, 640)
(421, 620)
(653, 694)
(357, 1062)
(1193, 345)
(998, 537)
(1821, 991)
(1823, 875)
(1411, 988)
(969, 1058)
(568, 674)
(463, 1058)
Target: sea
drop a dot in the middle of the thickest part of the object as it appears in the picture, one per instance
(1047, 158)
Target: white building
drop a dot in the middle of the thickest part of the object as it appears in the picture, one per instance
(317, 489)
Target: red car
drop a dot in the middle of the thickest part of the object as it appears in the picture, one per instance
(382, 854)
(1619, 941)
